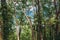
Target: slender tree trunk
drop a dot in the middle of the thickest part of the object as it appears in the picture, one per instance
(44, 38)
(51, 32)
(39, 33)
(55, 4)
(57, 17)
(1, 30)
(18, 32)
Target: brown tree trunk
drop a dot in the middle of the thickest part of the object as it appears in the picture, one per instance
(39, 33)
(30, 23)
(0, 35)
(44, 38)
(56, 31)
(1, 30)
(59, 16)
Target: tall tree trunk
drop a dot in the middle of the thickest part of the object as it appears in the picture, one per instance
(7, 22)
(44, 38)
(56, 32)
(39, 33)
(51, 36)
(58, 13)
(1, 30)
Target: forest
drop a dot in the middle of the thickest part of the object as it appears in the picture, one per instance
(29, 19)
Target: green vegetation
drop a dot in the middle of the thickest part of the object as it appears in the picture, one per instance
(29, 19)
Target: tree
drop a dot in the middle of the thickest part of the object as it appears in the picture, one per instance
(1, 23)
(39, 32)
(7, 20)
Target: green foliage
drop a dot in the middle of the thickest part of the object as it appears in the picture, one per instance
(24, 1)
(47, 16)
(25, 33)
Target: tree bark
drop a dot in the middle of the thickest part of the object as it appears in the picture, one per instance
(56, 31)
(1, 30)
(44, 38)
(39, 33)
